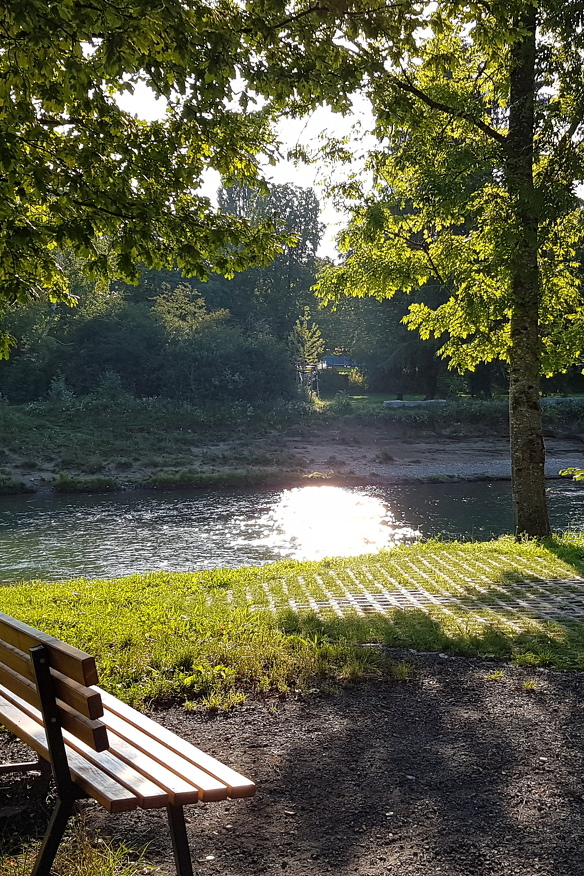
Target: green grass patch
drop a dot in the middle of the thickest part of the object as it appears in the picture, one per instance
(66, 483)
(83, 852)
(175, 480)
(9, 486)
(219, 636)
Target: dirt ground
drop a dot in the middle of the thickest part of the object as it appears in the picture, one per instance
(470, 768)
(392, 453)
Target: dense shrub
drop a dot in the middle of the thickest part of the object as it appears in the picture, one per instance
(331, 381)
(131, 353)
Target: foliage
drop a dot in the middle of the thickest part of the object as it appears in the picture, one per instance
(305, 342)
(441, 211)
(331, 381)
(576, 474)
(273, 297)
(167, 345)
(79, 171)
(478, 111)
(183, 313)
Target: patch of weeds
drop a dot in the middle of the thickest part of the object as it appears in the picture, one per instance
(384, 457)
(402, 671)
(169, 480)
(530, 684)
(8, 486)
(87, 854)
(65, 483)
(81, 853)
(93, 466)
(123, 464)
(29, 464)
(496, 675)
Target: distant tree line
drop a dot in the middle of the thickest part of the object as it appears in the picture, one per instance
(231, 339)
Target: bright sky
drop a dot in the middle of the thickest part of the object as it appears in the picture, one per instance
(291, 133)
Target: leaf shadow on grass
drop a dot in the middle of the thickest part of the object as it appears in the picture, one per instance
(446, 773)
(559, 644)
(569, 552)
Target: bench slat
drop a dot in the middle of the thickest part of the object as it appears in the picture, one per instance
(81, 698)
(237, 784)
(149, 795)
(210, 789)
(179, 790)
(69, 660)
(93, 733)
(109, 793)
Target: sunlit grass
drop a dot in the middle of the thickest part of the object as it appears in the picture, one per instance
(218, 636)
(82, 853)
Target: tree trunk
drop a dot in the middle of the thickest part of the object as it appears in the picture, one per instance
(527, 448)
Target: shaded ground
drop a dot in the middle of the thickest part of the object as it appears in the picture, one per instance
(468, 768)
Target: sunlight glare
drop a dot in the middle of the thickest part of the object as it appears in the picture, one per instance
(308, 523)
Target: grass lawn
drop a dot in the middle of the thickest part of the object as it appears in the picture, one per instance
(213, 638)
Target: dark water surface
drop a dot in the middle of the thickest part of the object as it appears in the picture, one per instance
(54, 537)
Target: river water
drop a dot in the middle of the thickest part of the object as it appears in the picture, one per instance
(52, 537)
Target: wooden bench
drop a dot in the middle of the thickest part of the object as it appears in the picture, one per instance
(96, 745)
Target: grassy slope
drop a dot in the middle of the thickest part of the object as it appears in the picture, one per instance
(216, 637)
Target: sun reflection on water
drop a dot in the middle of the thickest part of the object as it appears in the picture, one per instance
(308, 523)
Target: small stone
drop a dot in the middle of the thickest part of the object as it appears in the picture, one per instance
(411, 778)
(289, 812)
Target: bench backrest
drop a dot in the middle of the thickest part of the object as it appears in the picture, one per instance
(72, 671)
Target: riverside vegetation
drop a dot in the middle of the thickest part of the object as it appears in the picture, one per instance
(82, 444)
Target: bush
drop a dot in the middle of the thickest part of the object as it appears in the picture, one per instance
(358, 381)
(220, 364)
(331, 381)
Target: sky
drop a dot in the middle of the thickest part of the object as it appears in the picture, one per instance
(291, 133)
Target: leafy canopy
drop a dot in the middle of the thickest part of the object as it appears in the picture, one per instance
(78, 171)
(438, 77)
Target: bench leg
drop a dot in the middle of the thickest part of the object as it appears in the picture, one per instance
(52, 838)
(180, 844)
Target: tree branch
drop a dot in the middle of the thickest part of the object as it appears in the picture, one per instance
(455, 113)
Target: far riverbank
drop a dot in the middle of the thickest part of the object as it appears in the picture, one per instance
(149, 446)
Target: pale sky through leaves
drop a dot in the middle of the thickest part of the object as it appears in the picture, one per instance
(292, 132)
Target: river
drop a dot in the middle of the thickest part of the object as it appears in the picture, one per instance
(55, 537)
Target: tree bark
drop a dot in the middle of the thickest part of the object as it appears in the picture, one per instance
(526, 434)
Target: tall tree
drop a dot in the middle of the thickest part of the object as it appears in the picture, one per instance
(276, 294)
(76, 169)
(479, 110)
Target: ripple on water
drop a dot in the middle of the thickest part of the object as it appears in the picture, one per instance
(56, 537)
